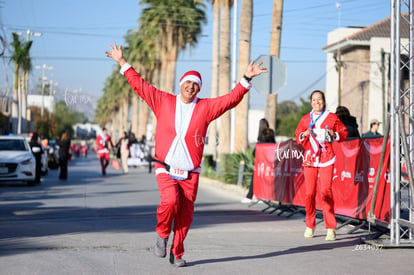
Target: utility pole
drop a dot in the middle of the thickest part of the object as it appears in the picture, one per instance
(44, 68)
(339, 77)
(275, 41)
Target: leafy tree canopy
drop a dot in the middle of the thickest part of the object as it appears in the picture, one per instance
(289, 115)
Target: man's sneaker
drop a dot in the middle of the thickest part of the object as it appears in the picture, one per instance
(160, 248)
(309, 232)
(246, 200)
(330, 235)
(177, 262)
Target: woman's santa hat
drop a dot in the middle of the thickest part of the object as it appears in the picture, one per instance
(192, 76)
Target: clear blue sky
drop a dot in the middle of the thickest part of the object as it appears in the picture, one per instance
(76, 33)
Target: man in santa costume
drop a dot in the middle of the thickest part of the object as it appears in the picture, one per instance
(102, 142)
(316, 132)
(182, 122)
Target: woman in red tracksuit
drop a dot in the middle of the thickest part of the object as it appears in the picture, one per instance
(316, 132)
(182, 122)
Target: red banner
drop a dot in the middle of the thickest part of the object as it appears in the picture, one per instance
(278, 176)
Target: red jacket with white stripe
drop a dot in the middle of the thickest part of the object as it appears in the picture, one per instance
(331, 121)
(163, 105)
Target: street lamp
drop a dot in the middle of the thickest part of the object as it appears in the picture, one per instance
(29, 33)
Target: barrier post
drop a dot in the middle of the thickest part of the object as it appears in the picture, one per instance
(371, 214)
(240, 176)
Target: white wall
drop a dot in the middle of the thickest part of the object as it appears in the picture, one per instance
(36, 100)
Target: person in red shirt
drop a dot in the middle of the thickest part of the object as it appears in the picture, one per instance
(102, 142)
(316, 132)
(182, 122)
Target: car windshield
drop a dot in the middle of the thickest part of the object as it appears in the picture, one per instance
(12, 145)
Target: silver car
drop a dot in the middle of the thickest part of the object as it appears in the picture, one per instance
(17, 162)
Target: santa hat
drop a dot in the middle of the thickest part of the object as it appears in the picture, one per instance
(192, 76)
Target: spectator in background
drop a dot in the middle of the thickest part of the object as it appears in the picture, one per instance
(263, 124)
(102, 142)
(132, 139)
(264, 136)
(64, 155)
(37, 152)
(84, 148)
(349, 121)
(373, 131)
(143, 139)
(123, 147)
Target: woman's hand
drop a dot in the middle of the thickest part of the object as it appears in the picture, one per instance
(303, 135)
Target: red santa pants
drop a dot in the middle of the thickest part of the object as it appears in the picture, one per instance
(177, 203)
(324, 174)
(104, 159)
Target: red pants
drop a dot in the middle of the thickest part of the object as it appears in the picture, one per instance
(104, 158)
(325, 191)
(177, 203)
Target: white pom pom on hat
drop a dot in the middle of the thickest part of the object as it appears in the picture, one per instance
(192, 76)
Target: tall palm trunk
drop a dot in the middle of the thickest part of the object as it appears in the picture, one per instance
(275, 39)
(124, 114)
(169, 61)
(24, 101)
(212, 132)
(135, 113)
(242, 110)
(224, 84)
(143, 118)
(15, 107)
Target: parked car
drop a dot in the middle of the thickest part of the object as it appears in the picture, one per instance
(17, 162)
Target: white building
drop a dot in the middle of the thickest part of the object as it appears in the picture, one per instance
(47, 101)
(358, 70)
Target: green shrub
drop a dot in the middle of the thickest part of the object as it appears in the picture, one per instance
(231, 165)
(208, 167)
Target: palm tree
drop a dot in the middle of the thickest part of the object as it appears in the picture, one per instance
(275, 38)
(212, 131)
(242, 110)
(21, 59)
(166, 28)
(109, 103)
(224, 78)
(142, 55)
(26, 67)
(178, 24)
(17, 58)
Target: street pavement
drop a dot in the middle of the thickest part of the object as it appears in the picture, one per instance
(94, 224)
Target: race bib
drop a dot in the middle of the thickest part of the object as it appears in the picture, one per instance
(320, 134)
(178, 174)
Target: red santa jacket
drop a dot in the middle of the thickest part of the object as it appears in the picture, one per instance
(164, 105)
(102, 142)
(325, 156)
